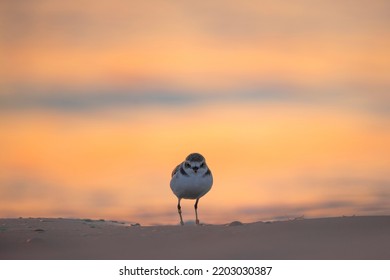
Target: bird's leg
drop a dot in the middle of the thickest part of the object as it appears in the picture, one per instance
(179, 211)
(196, 212)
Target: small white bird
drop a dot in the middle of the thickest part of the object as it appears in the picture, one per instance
(191, 179)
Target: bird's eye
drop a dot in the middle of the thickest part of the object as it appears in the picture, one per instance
(202, 165)
(187, 165)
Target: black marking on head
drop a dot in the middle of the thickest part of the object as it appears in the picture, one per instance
(208, 172)
(175, 170)
(183, 172)
(195, 157)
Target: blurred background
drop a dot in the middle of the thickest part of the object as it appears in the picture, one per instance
(289, 101)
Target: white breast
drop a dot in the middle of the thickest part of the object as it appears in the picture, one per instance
(191, 187)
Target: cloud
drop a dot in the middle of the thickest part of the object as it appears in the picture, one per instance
(78, 100)
(124, 98)
(63, 101)
(259, 20)
(20, 189)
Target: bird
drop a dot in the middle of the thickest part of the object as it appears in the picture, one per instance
(191, 179)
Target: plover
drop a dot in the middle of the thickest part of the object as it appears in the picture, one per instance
(191, 179)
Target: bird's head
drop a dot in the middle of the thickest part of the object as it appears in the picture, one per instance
(195, 163)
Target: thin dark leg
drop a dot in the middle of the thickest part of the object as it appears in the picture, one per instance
(179, 211)
(196, 211)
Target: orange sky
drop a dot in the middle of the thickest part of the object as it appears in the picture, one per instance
(262, 156)
(193, 45)
(288, 102)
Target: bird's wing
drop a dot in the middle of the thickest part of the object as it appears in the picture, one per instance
(175, 170)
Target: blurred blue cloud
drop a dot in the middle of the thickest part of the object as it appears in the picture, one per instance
(76, 100)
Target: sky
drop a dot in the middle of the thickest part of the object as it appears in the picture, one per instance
(287, 100)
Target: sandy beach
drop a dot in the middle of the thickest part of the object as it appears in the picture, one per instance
(326, 238)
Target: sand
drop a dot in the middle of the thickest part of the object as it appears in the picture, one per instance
(366, 238)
